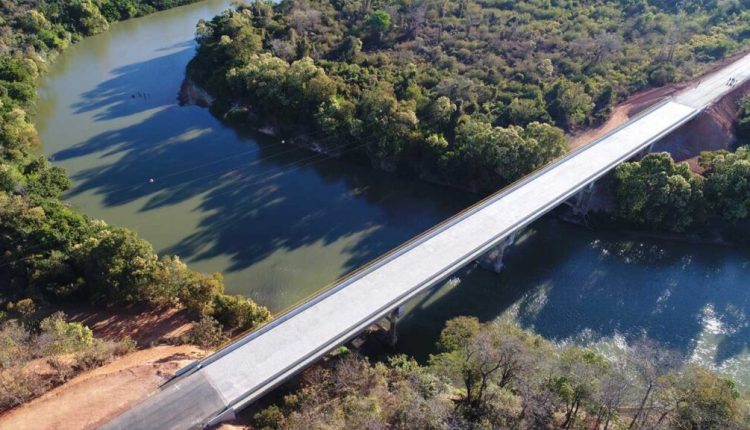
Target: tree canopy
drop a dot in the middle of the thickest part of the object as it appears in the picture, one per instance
(416, 85)
(496, 375)
(658, 193)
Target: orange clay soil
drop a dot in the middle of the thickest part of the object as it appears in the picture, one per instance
(710, 131)
(626, 110)
(94, 397)
(145, 325)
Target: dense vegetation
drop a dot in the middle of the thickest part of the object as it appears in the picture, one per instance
(490, 376)
(44, 25)
(472, 93)
(49, 253)
(657, 193)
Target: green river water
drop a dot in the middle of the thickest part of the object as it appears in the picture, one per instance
(281, 223)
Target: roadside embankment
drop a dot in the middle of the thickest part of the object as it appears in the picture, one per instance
(94, 397)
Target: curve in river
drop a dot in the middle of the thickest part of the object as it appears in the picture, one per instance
(280, 222)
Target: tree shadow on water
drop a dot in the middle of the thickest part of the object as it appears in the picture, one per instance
(255, 196)
(137, 87)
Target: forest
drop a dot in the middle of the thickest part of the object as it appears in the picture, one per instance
(50, 254)
(470, 93)
(497, 376)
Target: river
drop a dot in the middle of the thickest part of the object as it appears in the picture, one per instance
(281, 223)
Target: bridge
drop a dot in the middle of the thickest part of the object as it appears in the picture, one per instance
(214, 389)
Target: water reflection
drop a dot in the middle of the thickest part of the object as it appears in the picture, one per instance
(280, 222)
(571, 284)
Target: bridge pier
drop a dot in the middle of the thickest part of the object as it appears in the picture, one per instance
(392, 332)
(493, 259)
(645, 151)
(582, 200)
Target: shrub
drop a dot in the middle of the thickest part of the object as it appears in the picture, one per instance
(13, 344)
(102, 352)
(237, 312)
(24, 308)
(60, 337)
(199, 290)
(18, 386)
(206, 333)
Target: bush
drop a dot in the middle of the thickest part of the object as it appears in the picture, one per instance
(237, 312)
(14, 340)
(102, 352)
(60, 337)
(206, 333)
(198, 292)
(17, 386)
(23, 308)
(662, 74)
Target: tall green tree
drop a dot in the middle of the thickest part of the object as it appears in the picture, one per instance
(657, 193)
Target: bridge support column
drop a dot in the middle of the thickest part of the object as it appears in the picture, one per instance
(582, 200)
(392, 333)
(493, 259)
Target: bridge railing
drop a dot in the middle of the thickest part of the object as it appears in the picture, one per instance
(346, 280)
(389, 255)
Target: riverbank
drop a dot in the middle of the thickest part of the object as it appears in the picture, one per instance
(59, 258)
(711, 130)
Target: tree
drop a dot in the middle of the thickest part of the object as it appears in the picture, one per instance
(484, 358)
(578, 381)
(83, 17)
(705, 401)
(569, 104)
(727, 187)
(548, 142)
(742, 126)
(494, 156)
(652, 363)
(657, 193)
(379, 21)
(46, 181)
(119, 268)
(389, 124)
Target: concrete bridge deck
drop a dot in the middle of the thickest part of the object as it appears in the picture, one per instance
(256, 363)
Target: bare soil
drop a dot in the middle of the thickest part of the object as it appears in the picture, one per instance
(710, 131)
(92, 398)
(622, 112)
(145, 325)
